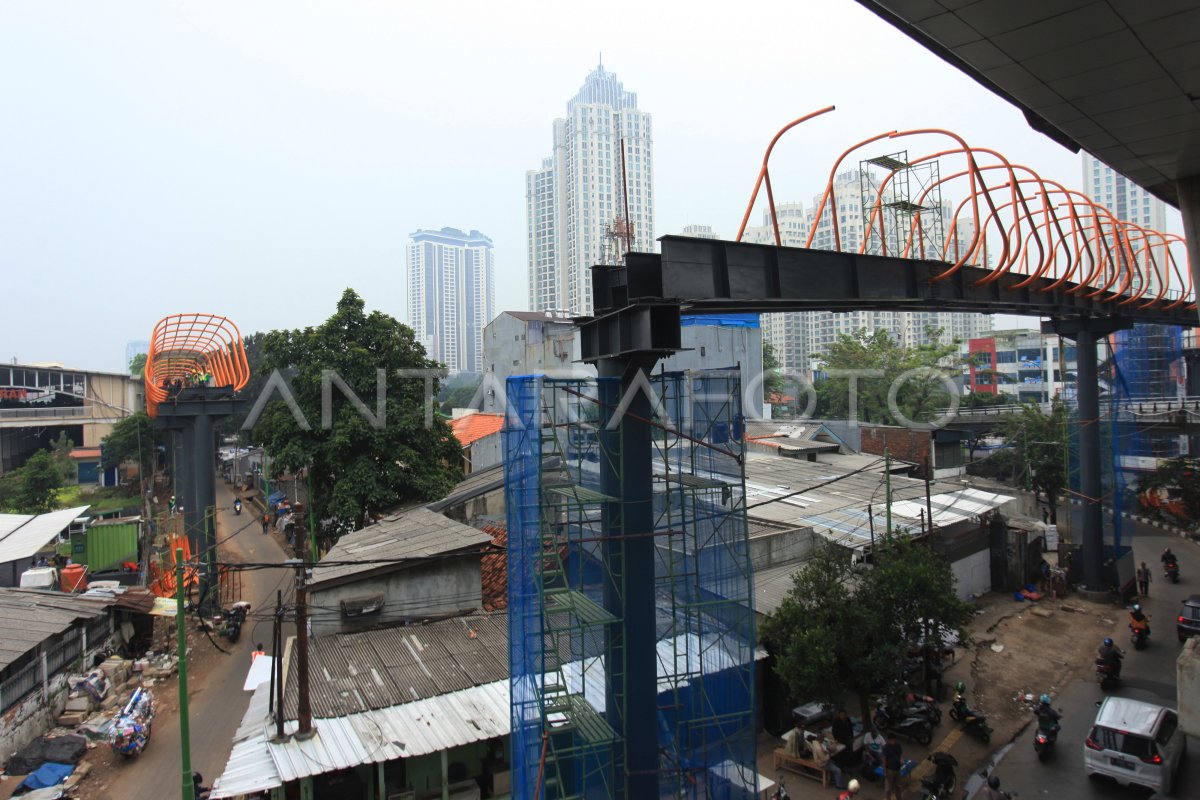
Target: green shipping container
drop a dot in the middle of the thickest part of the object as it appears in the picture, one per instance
(106, 546)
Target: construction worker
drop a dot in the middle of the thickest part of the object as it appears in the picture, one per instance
(258, 651)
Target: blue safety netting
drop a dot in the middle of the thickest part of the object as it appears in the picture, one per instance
(566, 657)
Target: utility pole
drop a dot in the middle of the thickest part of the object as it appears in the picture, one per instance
(189, 788)
(304, 710)
(887, 477)
(277, 667)
(928, 500)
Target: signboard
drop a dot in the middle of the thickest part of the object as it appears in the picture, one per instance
(1052, 537)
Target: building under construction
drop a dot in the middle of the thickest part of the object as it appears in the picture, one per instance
(631, 623)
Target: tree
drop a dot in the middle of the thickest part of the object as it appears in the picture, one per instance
(459, 392)
(1038, 443)
(33, 489)
(60, 451)
(919, 397)
(774, 383)
(357, 470)
(131, 439)
(137, 365)
(849, 627)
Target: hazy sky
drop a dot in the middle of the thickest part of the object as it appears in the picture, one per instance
(254, 159)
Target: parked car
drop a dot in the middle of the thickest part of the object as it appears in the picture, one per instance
(1188, 622)
(1134, 742)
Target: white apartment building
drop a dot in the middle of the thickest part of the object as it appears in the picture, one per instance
(451, 295)
(799, 339)
(699, 232)
(1123, 197)
(575, 203)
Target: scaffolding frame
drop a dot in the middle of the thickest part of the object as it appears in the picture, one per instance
(567, 651)
(898, 224)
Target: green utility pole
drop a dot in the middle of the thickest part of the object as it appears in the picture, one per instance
(266, 460)
(189, 788)
(887, 477)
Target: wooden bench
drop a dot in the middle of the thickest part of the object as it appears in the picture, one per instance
(801, 766)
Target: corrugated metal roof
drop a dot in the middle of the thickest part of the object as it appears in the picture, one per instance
(772, 585)
(475, 484)
(951, 507)
(250, 768)
(28, 617)
(376, 669)
(10, 522)
(36, 533)
(413, 533)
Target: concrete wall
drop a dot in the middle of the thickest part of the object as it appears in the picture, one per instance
(33, 716)
(776, 548)
(1187, 670)
(438, 588)
(485, 452)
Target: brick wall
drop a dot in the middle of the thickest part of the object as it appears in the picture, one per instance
(902, 443)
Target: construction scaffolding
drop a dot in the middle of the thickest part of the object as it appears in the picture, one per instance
(902, 206)
(572, 651)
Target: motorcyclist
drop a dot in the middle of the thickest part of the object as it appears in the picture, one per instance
(237, 506)
(991, 791)
(1110, 654)
(1046, 715)
(943, 773)
(851, 789)
(199, 790)
(1168, 557)
(1138, 620)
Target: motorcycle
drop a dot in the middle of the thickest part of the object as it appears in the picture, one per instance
(1108, 673)
(913, 726)
(1044, 738)
(781, 792)
(923, 704)
(237, 507)
(1171, 571)
(1140, 637)
(942, 783)
(973, 722)
(133, 724)
(233, 620)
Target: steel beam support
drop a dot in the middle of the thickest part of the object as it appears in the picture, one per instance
(628, 551)
(1086, 333)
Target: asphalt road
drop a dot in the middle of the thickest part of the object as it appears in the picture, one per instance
(215, 697)
(1146, 675)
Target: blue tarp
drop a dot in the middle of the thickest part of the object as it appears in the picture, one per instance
(276, 497)
(48, 774)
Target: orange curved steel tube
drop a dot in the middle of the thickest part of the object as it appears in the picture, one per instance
(764, 174)
(184, 344)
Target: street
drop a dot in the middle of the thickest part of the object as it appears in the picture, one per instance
(215, 695)
(1147, 675)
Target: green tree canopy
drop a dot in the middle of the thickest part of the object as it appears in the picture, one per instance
(848, 627)
(1038, 450)
(919, 397)
(32, 489)
(131, 439)
(773, 381)
(458, 392)
(137, 365)
(357, 470)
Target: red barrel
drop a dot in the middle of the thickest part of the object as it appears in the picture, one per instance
(73, 578)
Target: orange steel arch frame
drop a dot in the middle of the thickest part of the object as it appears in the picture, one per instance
(1035, 240)
(184, 344)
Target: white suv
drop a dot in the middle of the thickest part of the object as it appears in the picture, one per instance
(1135, 743)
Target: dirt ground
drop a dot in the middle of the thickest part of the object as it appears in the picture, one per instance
(1040, 646)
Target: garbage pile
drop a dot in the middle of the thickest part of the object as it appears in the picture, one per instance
(132, 725)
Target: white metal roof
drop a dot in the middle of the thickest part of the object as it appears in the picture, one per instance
(951, 507)
(10, 522)
(35, 533)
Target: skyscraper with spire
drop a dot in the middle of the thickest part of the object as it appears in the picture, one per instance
(579, 210)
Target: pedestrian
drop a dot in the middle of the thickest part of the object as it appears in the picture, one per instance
(892, 761)
(821, 757)
(1143, 580)
(843, 734)
(266, 523)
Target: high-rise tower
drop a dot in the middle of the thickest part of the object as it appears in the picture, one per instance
(592, 199)
(451, 295)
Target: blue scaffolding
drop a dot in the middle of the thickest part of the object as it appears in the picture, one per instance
(568, 653)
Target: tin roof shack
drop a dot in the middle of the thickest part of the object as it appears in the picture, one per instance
(416, 564)
(405, 709)
(25, 538)
(46, 636)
